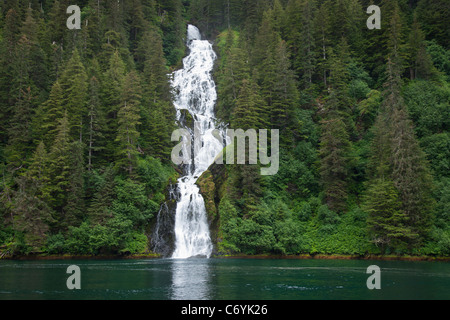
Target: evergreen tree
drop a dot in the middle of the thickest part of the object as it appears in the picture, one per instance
(74, 85)
(419, 61)
(149, 10)
(96, 123)
(9, 39)
(135, 21)
(275, 78)
(57, 22)
(38, 171)
(334, 166)
(112, 43)
(403, 159)
(28, 65)
(156, 86)
(20, 132)
(59, 168)
(230, 76)
(278, 18)
(301, 38)
(432, 14)
(173, 28)
(339, 104)
(113, 82)
(74, 210)
(48, 114)
(11, 31)
(262, 55)
(388, 225)
(32, 216)
(156, 135)
(112, 86)
(128, 121)
(249, 112)
(115, 16)
(253, 13)
(284, 96)
(93, 29)
(348, 21)
(99, 211)
(410, 173)
(322, 28)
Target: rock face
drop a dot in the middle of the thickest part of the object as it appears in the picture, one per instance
(212, 184)
(163, 235)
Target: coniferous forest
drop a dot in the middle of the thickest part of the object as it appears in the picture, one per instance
(86, 118)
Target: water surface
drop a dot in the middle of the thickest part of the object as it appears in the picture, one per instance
(223, 279)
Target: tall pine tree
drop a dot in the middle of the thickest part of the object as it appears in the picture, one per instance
(129, 121)
(400, 158)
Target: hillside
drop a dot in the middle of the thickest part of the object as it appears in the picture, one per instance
(86, 118)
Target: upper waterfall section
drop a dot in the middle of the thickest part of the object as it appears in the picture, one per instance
(194, 87)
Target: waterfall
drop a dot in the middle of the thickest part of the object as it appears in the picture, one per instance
(195, 91)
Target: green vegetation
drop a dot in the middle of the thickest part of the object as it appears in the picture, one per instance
(83, 170)
(363, 117)
(86, 118)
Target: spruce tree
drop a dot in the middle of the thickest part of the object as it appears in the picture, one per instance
(30, 207)
(99, 211)
(75, 85)
(32, 216)
(48, 114)
(74, 210)
(156, 135)
(250, 111)
(135, 21)
(334, 163)
(128, 122)
(339, 103)
(284, 97)
(38, 171)
(156, 85)
(93, 29)
(273, 74)
(96, 123)
(401, 158)
(57, 22)
(112, 86)
(388, 225)
(59, 168)
(10, 37)
(322, 29)
(230, 76)
(419, 61)
(20, 142)
(301, 38)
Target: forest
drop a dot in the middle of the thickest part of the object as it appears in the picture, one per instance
(86, 118)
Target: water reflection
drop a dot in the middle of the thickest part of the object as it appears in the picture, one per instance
(191, 279)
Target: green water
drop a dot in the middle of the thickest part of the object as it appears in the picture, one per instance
(223, 279)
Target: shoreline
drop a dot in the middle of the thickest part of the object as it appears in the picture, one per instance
(37, 257)
(341, 257)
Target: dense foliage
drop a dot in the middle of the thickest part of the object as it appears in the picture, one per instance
(363, 116)
(86, 118)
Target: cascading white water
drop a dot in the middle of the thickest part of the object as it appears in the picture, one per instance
(195, 91)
